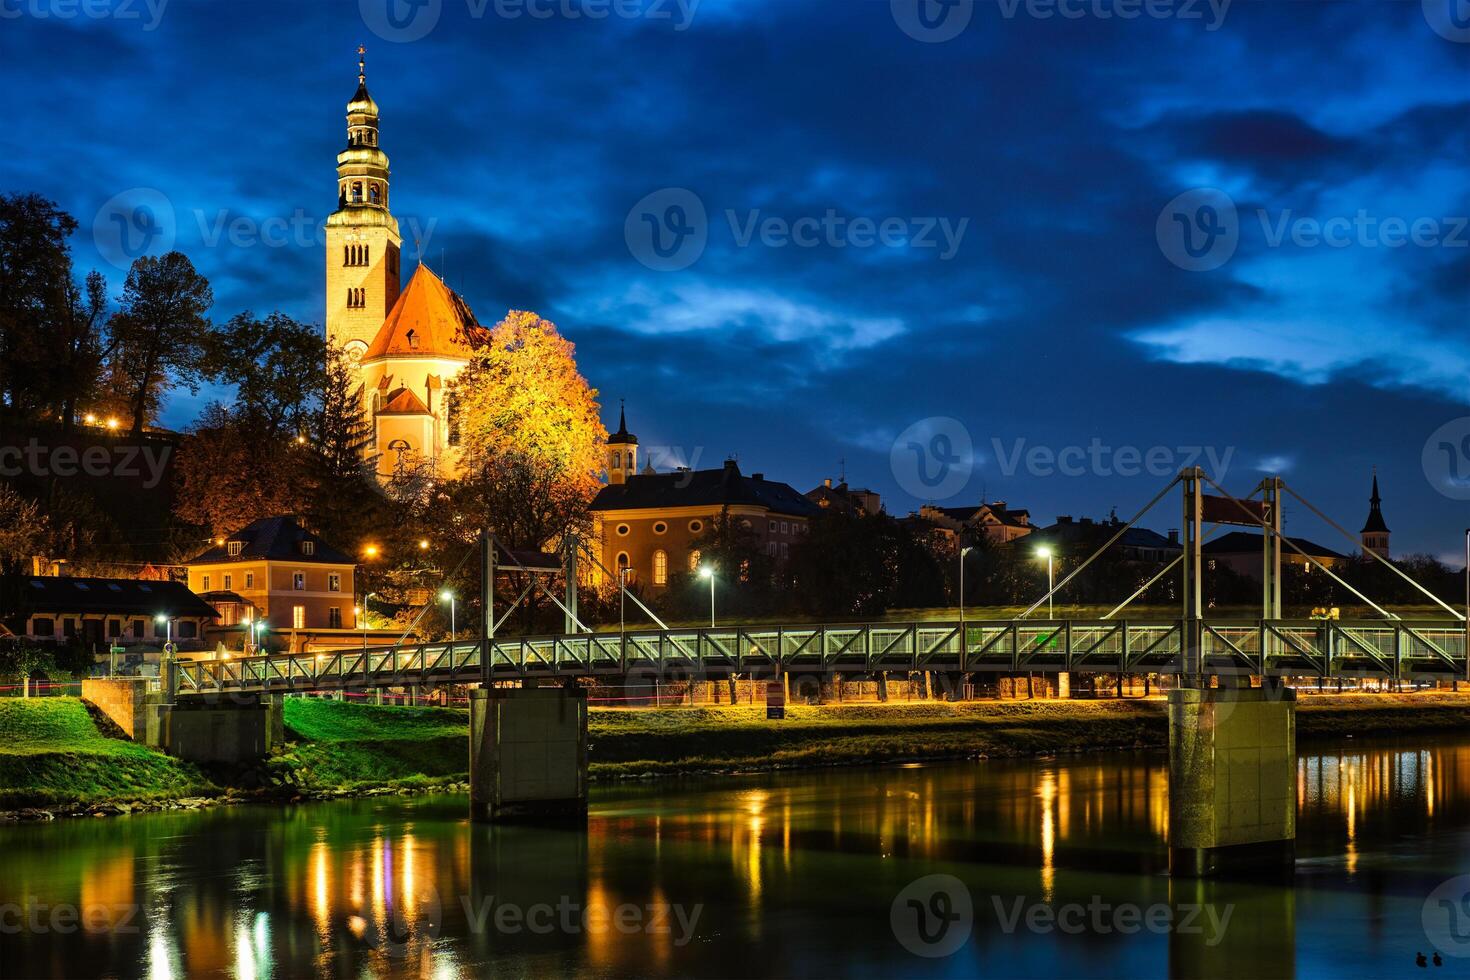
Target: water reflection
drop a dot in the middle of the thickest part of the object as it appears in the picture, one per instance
(761, 875)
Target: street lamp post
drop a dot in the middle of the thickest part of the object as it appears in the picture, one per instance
(963, 553)
(1045, 552)
(165, 660)
(622, 599)
(447, 596)
(707, 571)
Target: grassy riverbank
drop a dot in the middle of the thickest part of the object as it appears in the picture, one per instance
(54, 754)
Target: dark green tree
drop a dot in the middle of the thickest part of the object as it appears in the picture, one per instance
(160, 338)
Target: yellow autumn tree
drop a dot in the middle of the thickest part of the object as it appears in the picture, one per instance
(530, 432)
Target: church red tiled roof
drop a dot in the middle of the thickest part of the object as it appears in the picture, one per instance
(403, 402)
(429, 320)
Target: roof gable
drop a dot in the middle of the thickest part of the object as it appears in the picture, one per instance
(723, 487)
(272, 539)
(429, 320)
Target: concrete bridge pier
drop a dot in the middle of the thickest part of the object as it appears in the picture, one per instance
(1232, 780)
(528, 752)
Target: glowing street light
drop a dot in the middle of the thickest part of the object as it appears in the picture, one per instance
(447, 596)
(1045, 552)
(423, 544)
(257, 628)
(371, 551)
(112, 424)
(963, 553)
(708, 571)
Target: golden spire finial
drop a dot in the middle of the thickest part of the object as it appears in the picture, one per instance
(361, 65)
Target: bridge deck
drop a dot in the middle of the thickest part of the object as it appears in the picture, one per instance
(1372, 648)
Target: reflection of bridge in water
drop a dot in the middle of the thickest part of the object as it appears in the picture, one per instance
(1397, 649)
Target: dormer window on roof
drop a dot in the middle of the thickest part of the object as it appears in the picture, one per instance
(308, 547)
(234, 548)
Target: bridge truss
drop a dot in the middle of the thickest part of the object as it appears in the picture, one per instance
(1193, 646)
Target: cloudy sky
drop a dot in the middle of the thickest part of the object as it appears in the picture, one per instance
(1031, 250)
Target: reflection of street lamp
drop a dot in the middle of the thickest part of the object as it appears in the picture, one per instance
(1045, 552)
(447, 596)
(708, 571)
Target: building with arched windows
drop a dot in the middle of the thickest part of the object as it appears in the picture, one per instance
(648, 526)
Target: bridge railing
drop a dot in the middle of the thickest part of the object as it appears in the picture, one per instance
(1395, 649)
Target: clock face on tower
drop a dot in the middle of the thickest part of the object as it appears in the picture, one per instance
(354, 349)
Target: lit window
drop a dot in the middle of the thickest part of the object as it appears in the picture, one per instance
(298, 581)
(234, 548)
(660, 567)
(334, 582)
(694, 560)
(298, 617)
(308, 547)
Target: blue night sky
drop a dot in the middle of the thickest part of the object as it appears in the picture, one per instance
(1050, 147)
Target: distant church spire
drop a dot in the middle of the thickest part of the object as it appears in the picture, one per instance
(1374, 535)
(622, 460)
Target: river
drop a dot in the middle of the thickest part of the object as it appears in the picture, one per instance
(1047, 868)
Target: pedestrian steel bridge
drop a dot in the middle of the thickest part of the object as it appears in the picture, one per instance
(1396, 649)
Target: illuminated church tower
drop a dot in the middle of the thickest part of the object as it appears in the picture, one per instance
(362, 235)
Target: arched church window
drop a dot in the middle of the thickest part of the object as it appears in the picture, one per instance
(346, 254)
(357, 192)
(660, 567)
(366, 251)
(373, 193)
